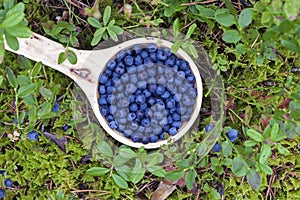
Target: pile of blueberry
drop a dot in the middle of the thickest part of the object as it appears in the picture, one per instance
(146, 92)
(232, 135)
(7, 182)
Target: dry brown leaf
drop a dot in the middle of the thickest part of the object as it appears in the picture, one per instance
(163, 191)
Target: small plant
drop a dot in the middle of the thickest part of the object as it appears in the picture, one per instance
(12, 25)
(105, 29)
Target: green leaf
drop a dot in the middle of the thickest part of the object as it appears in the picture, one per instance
(191, 31)
(245, 17)
(14, 16)
(105, 149)
(118, 30)
(19, 31)
(127, 153)
(231, 36)
(94, 22)
(265, 154)
(239, 167)
(1, 79)
(124, 171)
(174, 175)
(154, 159)
(36, 69)
(282, 150)
(72, 57)
(98, 36)
(157, 170)
(285, 26)
(202, 149)
(190, 178)
(112, 34)
(250, 143)
(60, 195)
(226, 149)
(119, 160)
(206, 12)
(254, 179)
(266, 169)
(106, 15)
(11, 77)
(291, 44)
(176, 46)
(274, 132)
(2, 49)
(26, 90)
(254, 135)
(46, 92)
(138, 172)
(62, 57)
(176, 27)
(120, 181)
(12, 42)
(97, 171)
(225, 19)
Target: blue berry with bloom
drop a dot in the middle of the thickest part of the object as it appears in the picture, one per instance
(2, 193)
(217, 147)
(55, 107)
(232, 135)
(33, 135)
(8, 182)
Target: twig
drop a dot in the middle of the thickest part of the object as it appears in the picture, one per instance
(195, 3)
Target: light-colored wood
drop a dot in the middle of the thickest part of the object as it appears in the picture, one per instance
(88, 68)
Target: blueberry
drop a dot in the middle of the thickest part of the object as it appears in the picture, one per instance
(187, 72)
(152, 87)
(109, 118)
(120, 128)
(65, 127)
(120, 70)
(175, 67)
(102, 89)
(161, 55)
(121, 113)
(145, 122)
(130, 89)
(55, 107)
(176, 116)
(148, 62)
(133, 78)
(131, 69)
(128, 60)
(108, 72)
(125, 78)
(127, 133)
(173, 131)
(147, 93)
(151, 47)
(187, 101)
(103, 78)
(131, 116)
(33, 135)
(172, 110)
(2, 193)
(138, 60)
(133, 107)
(148, 130)
(104, 110)
(176, 124)
(142, 85)
(170, 61)
(120, 87)
(134, 126)
(167, 52)
(163, 121)
(139, 114)
(151, 71)
(2, 172)
(145, 140)
(111, 99)
(137, 49)
(112, 109)
(184, 65)
(232, 134)
(209, 127)
(123, 103)
(122, 121)
(115, 80)
(141, 129)
(180, 75)
(121, 54)
(153, 138)
(111, 64)
(170, 119)
(140, 99)
(113, 124)
(161, 79)
(102, 100)
(143, 106)
(162, 136)
(110, 89)
(166, 95)
(153, 56)
(151, 101)
(217, 147)
(136, 138)
(142, 75)
(160, 90)
(8, 182)
(144, 54)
